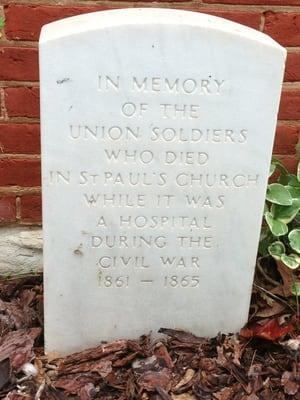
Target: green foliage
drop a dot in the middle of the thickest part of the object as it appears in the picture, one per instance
(295, 289)
(280, 237)
(291, 261)
(277, 227)
(276, 249)
(279, 194)
(294, 238)
(1, 22)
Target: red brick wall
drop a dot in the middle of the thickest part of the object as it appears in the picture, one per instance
(20, 200)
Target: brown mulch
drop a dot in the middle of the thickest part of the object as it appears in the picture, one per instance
(262, 362)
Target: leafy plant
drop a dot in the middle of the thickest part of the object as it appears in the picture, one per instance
(280, 236)
(1, 22)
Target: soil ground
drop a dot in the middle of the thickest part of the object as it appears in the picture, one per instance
(261, 362)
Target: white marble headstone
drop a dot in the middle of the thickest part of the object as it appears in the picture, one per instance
(157, 132)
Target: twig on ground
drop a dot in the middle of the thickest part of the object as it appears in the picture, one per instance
(275, 297)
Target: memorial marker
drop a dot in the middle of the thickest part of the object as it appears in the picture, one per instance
(157, 133)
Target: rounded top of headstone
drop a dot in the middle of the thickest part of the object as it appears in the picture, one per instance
(149, 16)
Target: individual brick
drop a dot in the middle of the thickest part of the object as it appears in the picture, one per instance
(7, 209)
(292, 69)
(286, 139)
(18, 64)
(22, 102)
(19, 138)
(20, 172)
(290, 105)
(248, 18)
(24, 22)
(31, 208)
(284, 27)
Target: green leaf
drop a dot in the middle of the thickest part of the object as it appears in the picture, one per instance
(279, 164)
(272, 169)
(294, 191)
(1, 22)
(295, 289)
(294, 238)
(284, 179)
(297, 219)
(278, 194)
(284, 173)
(286, 213)
(276, 249)
(293, 181)
(298, 172)
(291, 261)
(265, 240)
(278, 228)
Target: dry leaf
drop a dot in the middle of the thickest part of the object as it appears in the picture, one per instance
(17, 346)
(189, 374)
(182, 336)
(163, 356)
(74, 384)
(224, 394)
(150, 380)
(286, 275)
(290, 387)
(271, 330)
(268, 312)
(184, 396)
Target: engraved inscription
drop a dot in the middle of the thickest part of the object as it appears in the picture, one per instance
(154, 189)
